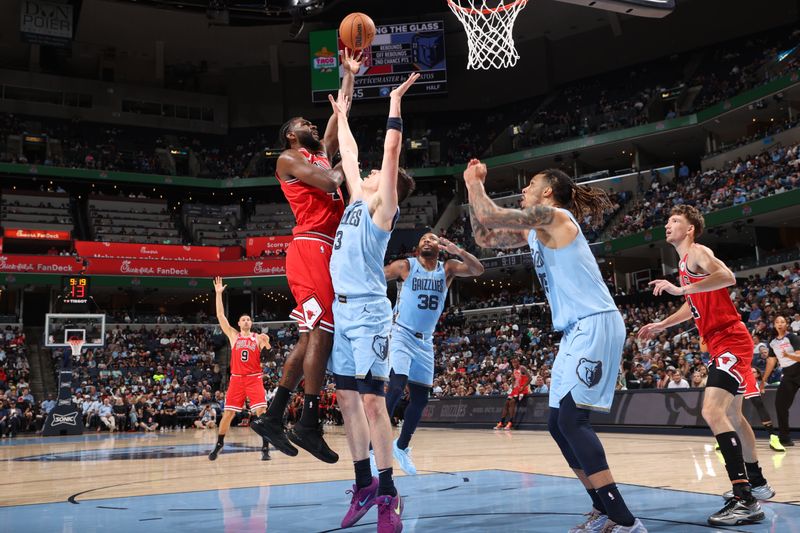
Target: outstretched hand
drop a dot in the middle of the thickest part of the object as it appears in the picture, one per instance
(475, 172)
(340, 104)
(401, 89)
(352, 60)
(218, 286)
(661, 285)
(649, 331)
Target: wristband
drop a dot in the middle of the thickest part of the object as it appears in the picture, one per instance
(394, 123)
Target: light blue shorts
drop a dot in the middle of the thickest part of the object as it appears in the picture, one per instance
(588, 361)
(411, 356)
(361, 338)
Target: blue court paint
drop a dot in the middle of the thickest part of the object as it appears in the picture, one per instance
(480, 501)
(137, 452)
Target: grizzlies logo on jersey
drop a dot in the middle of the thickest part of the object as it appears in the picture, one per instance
(380, 345)
(589, 372)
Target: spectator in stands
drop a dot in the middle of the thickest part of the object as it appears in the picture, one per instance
(207, 419)
(48, 404)
(10, 419)
(677, 381)
(106, 415)
(698, 380)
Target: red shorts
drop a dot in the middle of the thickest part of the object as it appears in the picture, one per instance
(731, 351)
(308, 272)
(241, 387)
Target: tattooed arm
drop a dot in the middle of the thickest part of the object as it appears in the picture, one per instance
(496, 238)
(492, 216)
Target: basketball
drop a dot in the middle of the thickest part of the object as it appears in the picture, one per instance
(357, 31)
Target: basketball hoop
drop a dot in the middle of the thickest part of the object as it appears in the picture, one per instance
(76, 345)
(489, 37)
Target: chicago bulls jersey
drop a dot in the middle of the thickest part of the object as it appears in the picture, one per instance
(314, 209)
(712, 311)
(246, 356)
(521, 383)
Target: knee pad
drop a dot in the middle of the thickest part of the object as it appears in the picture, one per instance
(573, 422)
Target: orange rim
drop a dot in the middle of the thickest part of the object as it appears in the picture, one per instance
(473, 11)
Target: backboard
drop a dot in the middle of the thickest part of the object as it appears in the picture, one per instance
(60, 328)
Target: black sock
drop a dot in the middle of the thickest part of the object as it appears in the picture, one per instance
(503, 421)
(731, 448)
(265, 444)
(310, 416)
(386, 484)
(220, 440)
(615, 506)
(769, 427)
(754, 474)
(596, 501)
(363, 473)
(279, 403)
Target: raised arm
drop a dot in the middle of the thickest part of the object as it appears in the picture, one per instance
(386, 207)
(292, 163)
(351, 64)
(493, 216)
(347, 147)
(396, 270)
(223, 320)
(470, 266)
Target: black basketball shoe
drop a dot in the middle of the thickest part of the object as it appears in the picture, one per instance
(273, 431)
(310, 439)
(215, 452)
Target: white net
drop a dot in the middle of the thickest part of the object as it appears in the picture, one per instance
(76, 345)
(488, 25)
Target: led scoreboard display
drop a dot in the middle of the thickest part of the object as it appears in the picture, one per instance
(75, 290)
(398, 50)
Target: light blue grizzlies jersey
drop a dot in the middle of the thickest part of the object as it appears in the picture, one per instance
(359, 247)
(571, 279)
(421, 299)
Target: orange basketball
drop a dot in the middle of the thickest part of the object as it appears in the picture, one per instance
(357, 31)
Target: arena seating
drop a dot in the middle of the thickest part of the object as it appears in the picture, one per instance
(132, 219)
(770, 172)
(36, 210)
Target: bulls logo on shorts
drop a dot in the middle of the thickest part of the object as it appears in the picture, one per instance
(380, 345)
(312, 311)
(589, 372)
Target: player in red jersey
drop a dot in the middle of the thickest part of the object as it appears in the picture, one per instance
(246, 373)
(312, 189)
(703, 282)
(522, 387)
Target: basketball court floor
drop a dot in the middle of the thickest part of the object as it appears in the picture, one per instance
(469, 480)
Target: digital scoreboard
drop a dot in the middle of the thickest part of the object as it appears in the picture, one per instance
(75, 290)
(397, 51)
